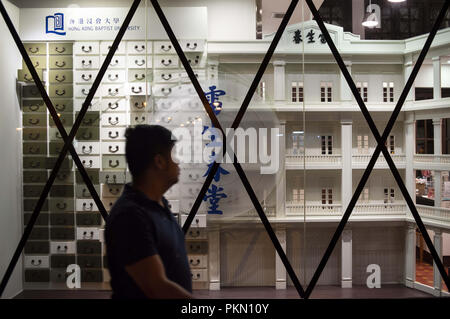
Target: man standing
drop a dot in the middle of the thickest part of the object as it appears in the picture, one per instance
(145, 245)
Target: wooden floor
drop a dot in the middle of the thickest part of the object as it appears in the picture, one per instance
(320, 292)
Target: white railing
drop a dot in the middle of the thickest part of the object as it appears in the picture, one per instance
(365, 158)
(370, 209)
(431, 158)
(270, 211)
(312, 159)
(434, 213)
(379, 209)
(298, 209)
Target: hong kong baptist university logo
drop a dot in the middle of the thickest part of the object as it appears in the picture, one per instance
(55, 24)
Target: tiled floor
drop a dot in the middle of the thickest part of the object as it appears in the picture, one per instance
(320, 292)
(424, 274)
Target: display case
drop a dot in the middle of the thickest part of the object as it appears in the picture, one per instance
(301, 140)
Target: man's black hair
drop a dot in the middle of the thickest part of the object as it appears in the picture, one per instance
(143, 143)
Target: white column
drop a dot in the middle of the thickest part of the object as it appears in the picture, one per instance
(214, 258)
(410, 255)
(346, 93)
(346, 259)
(409, 154)
(408, 67)
(437, 241)
(437, 136)
(437, 78)
(346, 152)
(280, 270)
(279, 74)
(281, 174)
(437, 188)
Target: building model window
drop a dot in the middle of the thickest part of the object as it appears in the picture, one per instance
(327, 144)
(363, 90)
(446, 136)
(388, 92)
(298, 195)
(424, 137)
(327, 196)
(389, 196)
(262, 90)
(297, 92)
(364, 196)
(390, 143)
(326, 92)
(363, 144)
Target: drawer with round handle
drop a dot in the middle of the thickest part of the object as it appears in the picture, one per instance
(30, 204)
(192, 45)
(111, 177)
(37, 275)
(86, 48)
(39, 62)
(93, 106)
(92, 161)
(85, 205)
(86, 62)
(60, 62)
(139, 47)
(167, 62)
(65, 48)
(89, 219)
(88, 148)
(24, 75)
(197, 234)
(199, 275)
(64, 177)
(31, 91)
(114, 119)
(113, 90)
(113, 133)
(114, 162)
(116, 76)
(105, 47)
(139, 88)
(91, 275)
(39, 233)
(198, 261)
(35, 48)
(62, 261)
(34, 106)
(62, 219)
(60, 76)
(117, 62)
(62, 191)
(62, 233)
(88, 134)
(32, 190)
(59, 205)
(65, 118)
(61, 90)
(35, 177)
(62, 247)
(112, 105)
(93, 175)
(89, 247)
(197, 247)
(139, 75)
(34, 148)
(111, 148)
(198, 221)
(83, 192)
(139, 62)
(164, 47)
(37, 247)
(112, 190)
(88, 233)
(42, 220)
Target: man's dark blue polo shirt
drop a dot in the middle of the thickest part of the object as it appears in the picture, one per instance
(138, 227)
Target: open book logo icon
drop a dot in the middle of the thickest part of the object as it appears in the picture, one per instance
(55, 24)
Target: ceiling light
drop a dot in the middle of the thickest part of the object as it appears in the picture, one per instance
(396, 0)
(370, 19)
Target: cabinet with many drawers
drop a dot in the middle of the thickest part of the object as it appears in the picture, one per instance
(145, 83)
